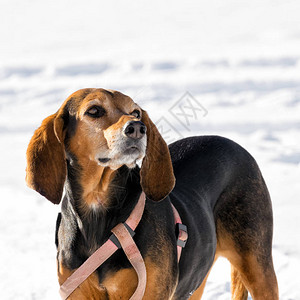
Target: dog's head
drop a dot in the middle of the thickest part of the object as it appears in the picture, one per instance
(100, 128)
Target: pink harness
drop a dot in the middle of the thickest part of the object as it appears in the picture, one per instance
(122, 238)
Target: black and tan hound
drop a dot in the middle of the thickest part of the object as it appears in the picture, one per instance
(89, 149)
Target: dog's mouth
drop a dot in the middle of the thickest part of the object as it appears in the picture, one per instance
(132, 150)
(104, 160)
(127, 152)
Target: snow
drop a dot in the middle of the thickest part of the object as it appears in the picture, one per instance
(238, 60)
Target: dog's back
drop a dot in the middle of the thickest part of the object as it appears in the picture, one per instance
(223, 199)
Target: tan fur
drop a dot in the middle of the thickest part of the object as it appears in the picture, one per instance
(89, 289)
(157, 170)
(119, 285)
(46, 167)
(248, 273)
(122, 284)
(238, 290)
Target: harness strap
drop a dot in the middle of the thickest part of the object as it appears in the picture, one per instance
(87, 268)
(134, 256)
(100, 255)
(122, 237)
(181, 231)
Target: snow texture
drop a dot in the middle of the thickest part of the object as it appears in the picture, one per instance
(237, 63)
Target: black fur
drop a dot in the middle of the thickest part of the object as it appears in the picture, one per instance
(218, 185)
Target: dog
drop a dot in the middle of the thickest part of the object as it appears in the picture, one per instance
(102, 151)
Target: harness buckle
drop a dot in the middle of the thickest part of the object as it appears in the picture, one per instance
(182, 234)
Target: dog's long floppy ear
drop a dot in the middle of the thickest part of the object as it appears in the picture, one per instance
(46, 164)
(157, 177)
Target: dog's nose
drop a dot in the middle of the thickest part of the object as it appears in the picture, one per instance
(135, 129)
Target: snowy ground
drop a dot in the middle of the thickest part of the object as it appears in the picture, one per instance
(239, 62)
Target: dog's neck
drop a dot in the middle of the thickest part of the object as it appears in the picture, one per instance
(89, 183)
(96, 183)
(99, 198)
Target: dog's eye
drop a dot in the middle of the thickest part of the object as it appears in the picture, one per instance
(95, 111)
(136, 113)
